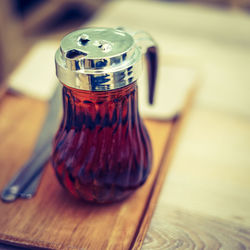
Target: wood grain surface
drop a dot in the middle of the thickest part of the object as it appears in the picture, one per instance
(176, 228)
(55, 220)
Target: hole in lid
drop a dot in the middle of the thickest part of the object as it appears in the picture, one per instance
(106, 47)
(73, 54)
(84, 41)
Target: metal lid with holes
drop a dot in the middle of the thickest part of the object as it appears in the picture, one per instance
(98, 59)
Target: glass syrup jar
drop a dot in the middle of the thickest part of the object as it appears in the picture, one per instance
(102, 151)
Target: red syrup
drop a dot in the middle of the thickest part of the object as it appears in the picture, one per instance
(102, 151)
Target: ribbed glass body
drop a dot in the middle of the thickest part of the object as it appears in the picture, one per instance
(102, 151)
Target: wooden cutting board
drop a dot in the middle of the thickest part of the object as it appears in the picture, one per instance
(55, 220)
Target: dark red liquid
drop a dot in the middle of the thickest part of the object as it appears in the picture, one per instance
(102, 151)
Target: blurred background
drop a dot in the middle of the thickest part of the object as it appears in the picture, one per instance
(210, 36)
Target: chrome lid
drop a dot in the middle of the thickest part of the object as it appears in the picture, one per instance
(98, 59)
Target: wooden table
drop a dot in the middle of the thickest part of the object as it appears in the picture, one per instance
(205, 200)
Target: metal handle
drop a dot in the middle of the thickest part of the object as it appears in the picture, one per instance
(149, 48)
